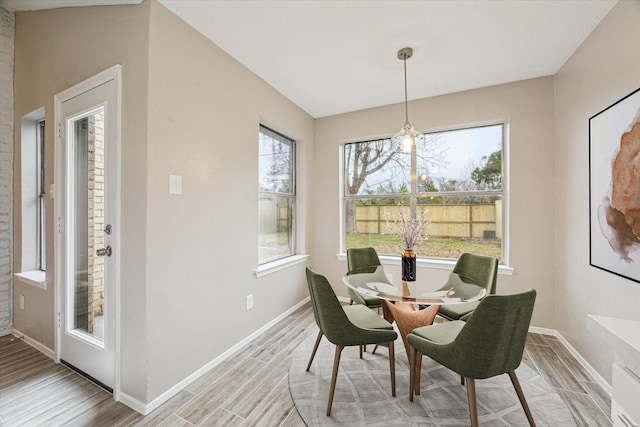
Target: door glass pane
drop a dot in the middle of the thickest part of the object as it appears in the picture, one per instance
(88, 225)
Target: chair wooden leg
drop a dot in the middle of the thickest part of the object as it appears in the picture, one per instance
(471, 397)
(392, 368)
(334, 377)
(523, 401)
(461, 380)
(361, 346)
(412, 371)
(315, 348)
(418, 372)
(376, 347)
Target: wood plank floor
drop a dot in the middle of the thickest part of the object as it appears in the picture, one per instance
(249, 389)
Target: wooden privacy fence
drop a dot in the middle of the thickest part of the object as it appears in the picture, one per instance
(464, 220)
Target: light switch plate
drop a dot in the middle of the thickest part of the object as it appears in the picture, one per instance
(175, 184)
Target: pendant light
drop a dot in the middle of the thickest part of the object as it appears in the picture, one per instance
(406, 138)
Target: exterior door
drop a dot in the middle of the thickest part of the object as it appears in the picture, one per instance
(88, 225)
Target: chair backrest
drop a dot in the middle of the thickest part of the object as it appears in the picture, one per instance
(329, 314)
(493, 339)
(361, 279)
(362, 260)
(478, 269)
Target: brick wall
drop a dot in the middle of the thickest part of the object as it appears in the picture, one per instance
(7, 32)
(96, 217)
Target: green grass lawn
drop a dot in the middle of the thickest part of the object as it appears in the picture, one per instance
(276, 245)
(434, 247)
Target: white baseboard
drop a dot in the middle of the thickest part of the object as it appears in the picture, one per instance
(581, 360)
(133, 403)
(145, 409)
(543, 331)
(35, 344)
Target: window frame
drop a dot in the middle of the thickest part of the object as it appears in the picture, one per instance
(281, 261)
(33, 199)
(413, 195)
(41, 209)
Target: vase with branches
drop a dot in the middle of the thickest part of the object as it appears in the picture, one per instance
(410, 232)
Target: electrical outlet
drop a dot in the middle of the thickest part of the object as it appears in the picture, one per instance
(21, 302)
(249, 302)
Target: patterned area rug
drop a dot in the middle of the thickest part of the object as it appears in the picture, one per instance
(363, 393)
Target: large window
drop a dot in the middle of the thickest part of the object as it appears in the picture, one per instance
(452, 178)
(276, 196)
(41, 255)
(33, 194)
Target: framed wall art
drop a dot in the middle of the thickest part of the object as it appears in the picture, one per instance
(614, 188)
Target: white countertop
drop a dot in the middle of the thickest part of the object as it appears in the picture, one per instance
(623, 335)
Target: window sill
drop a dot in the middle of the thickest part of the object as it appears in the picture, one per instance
(35, 278)
(440, 264)
(272, 267)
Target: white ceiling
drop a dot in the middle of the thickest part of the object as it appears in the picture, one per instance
(331, 57)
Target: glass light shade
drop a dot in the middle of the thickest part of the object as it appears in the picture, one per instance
(406, 138)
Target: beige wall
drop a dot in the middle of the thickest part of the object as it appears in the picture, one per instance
(204, 113)
(527, 108)
(603, 70)
(56, 49)
(187, 263)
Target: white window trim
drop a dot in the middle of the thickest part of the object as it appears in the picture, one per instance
(280, 264)
(29, 139)
(503, 269)
(41, 200)
(37, 278)
(438, 264)
(275, 264)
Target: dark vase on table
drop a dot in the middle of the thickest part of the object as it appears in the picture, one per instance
(409, 265)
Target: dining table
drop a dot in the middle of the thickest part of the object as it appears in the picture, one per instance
(414, 304)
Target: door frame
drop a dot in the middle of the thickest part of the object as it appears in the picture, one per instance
(113, 73)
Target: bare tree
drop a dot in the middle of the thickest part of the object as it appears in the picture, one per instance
(363, 159)
(275, 166)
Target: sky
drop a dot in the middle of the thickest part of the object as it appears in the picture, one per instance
(465, 148)
(458, 152)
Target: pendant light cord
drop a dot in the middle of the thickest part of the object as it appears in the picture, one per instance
(406, 107)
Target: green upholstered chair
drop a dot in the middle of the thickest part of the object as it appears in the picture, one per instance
(477, 269)
(353, 325)
(489, 343)
(362, 260)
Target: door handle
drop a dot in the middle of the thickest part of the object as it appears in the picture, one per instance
(104, 251)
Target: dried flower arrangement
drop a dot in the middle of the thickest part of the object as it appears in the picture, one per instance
(409, 231)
